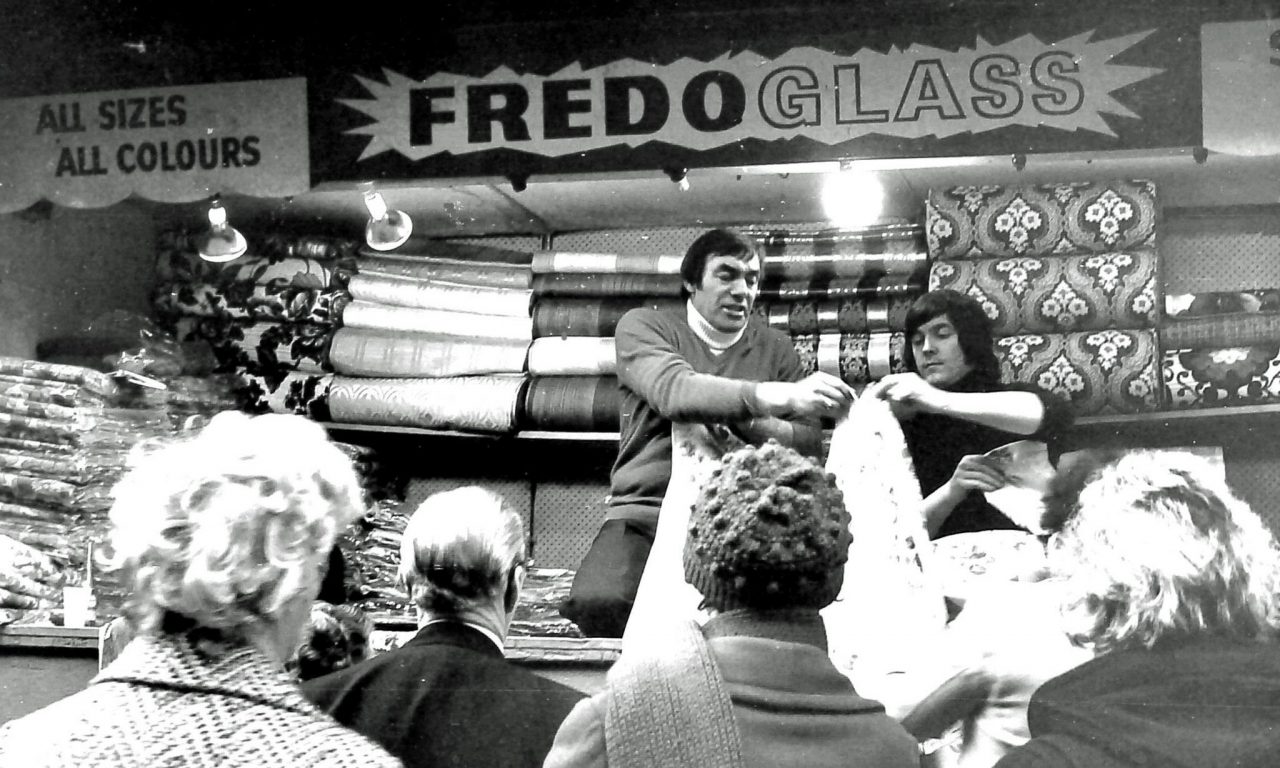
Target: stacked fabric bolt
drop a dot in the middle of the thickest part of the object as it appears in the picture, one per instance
(1068, 273)
(65, 436)
(843, 294)
(578, 300)
(1221, 348)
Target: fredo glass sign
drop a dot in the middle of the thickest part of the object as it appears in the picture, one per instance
(806, 92)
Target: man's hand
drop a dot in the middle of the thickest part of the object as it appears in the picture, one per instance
(818, 394)
(910, 390)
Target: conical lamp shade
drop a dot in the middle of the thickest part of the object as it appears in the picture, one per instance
(386, 229)
(222, 242)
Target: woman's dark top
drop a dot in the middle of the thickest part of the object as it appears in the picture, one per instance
(937, 444)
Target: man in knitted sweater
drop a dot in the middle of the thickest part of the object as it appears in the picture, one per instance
(711, 362)
(767, 545)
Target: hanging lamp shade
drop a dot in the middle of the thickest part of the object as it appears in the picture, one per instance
(222, 242)
(387, 229)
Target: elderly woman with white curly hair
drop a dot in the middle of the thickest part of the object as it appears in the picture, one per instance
(1173, 582)
(225, 537)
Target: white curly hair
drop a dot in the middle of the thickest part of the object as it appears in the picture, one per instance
(229, 526)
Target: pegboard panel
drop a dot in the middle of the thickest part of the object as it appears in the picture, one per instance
(566, 518)
(671, 241)
(527, 243)
(1252, 460)
(1232, 249)
(517, 493)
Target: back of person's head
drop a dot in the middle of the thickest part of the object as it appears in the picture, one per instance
(1159, 549)
(460, 549)
(769, 531)
(712, 243)
(336, 637)
(225, 529)
(973, 329)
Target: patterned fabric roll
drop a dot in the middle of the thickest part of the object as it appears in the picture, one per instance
(554, 316)
(39, 430)
(309, 246)
(475, 403)
(1213, 377)
(1221, 331)
(866, 287)
(187, 267)
(1058, 294)
(45, 391)
(427, 294)
(1181, 306)
(837, 315)
(580, 284)
(303, 394)
(858, 358)
(87, 379)
(572, 356)
(994, 221)
(1098, 372)
(247, 301)
(263, 347)
(572, 403)
(458, 271)
(420, 247)
(552, 262)
(383, 317)
(366, 352)
(887, 238)
(21, 407)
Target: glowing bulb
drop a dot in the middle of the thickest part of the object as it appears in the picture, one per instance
(222, 242)
(852, 199)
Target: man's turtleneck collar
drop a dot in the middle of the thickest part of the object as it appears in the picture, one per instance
(717, 340)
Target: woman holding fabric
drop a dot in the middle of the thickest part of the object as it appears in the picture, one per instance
(953, 408)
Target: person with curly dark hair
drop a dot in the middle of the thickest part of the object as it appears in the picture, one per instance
(337, 636)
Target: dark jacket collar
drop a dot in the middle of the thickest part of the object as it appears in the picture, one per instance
(457, 634)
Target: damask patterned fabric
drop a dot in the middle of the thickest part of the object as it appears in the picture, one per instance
(866, 287)
(261, 347)
(568, 316)
(1213, 377)
(365, 352)
(459, 271)
(1046, 294)
(1036, 220)
(603, 284)
(179, 266)
(429, 294)
(1098, 372)
(303, 394)
(249, 301)
(384, 317)
(858, 358)
(836, 315)
(553, 262)
(468, 403)
(572, 403)
(572, 356)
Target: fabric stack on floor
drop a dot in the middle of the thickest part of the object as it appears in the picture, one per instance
(1068, 274)
(843, 294)
(578, 300)
(1221, 349)
(65, 437)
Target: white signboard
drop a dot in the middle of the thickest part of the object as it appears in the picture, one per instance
(1240, 76)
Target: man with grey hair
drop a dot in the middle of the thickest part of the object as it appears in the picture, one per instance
(448, 697)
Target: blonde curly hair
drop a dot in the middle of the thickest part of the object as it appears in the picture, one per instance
(1160, 547)
(229, 526)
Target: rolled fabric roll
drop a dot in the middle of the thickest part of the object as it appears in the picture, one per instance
(261, 347)
(1221, 331)
(1213, 377)
(22, 407)
(572, 403)
(1181, 306)
(458, 271)
(44, 391)
(1098, 372)
(569, 316)
(843, 266)
(1058, 294)
(572, 356)
(303, 394)
(886, 238)
(367, 352)
(1036, 220)
(874, 315)
(583, 284)
(429, 294)
(418, 247)
(383, 317)
(857, 358)
(866, 287)
(309, 246)
(86, 379)
(553, 262)
(283, 303)
(474, 403)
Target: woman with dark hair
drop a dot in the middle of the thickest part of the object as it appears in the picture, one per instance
(953, 409)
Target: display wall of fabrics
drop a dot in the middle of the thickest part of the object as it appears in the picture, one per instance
(1069, 275)
(1221, 348)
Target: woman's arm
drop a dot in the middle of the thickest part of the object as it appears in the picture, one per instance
(1018, 411)
(973, 473)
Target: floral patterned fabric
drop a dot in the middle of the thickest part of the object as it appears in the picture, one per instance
(1046, 294)
(1098, 372)
(836, 315)
(470, 403)
(260, 348)
(572, 403)
(303, 394)
(278, 301)
(858, 358)
(569, 316)
(867, 287)
(1036, 220)
(1211, 377)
